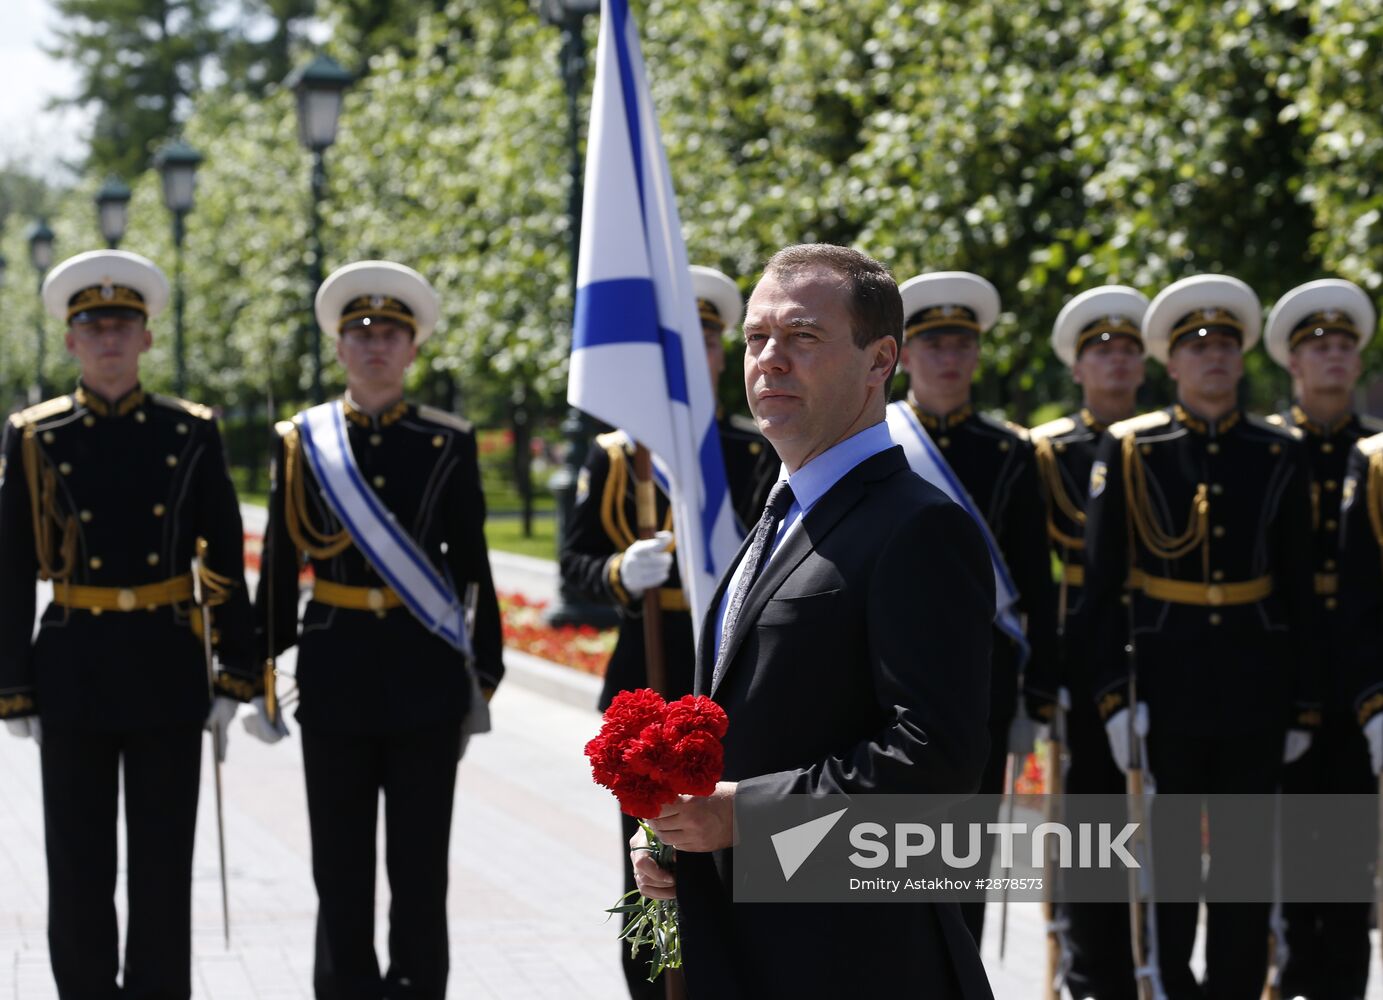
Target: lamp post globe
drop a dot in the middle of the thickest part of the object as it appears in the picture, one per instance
(177, 163)
(113, 210)
(40, 239)
(320, 86)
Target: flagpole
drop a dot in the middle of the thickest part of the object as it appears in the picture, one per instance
(646, 513)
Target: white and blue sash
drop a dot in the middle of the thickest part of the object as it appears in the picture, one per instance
(393, 553)
(927, 461)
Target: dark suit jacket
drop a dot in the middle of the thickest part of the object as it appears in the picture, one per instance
(860, 665)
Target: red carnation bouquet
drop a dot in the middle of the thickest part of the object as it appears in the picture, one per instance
(648, 752)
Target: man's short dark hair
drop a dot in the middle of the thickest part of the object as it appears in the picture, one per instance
(876, 308)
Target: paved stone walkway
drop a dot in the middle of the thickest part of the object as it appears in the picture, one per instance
(534, 861)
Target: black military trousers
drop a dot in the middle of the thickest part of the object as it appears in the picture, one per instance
(1197, 759)
(1328, 943)
(1098, 933)
(991, 783)
(345, 774)
(81, 777)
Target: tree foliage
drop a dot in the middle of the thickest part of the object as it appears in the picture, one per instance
(1050, 146)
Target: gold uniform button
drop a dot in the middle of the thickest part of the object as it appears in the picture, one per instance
(125, 600)
(1213, 448)
(1331, 524)
(94, 562)
(378, 481)
(1330, 564)
(139, 416)
(159, 510)
(85, 516)
(438, 441)
(65, 468)
(89, 421)
(1331, 486)
(152, 559)
(1003, 446)
(1218, 531)
(182, 428)
(1331, 604)
(1327, 448)
(1215, 595)
(1060, 447)
(1276, 449)
(48, 437)
(1215, 618)
(943, 442)
(1218, 574)
(171, 461)
(375, 439)
(375, 599)
(1146, 449)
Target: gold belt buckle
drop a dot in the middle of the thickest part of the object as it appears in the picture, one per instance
(125, 599)
(375, 599)
(1215, 594)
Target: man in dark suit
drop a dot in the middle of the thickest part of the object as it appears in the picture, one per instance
(849, 646)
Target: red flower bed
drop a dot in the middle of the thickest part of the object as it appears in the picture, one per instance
(578, 646)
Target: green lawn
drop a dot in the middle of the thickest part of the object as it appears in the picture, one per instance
(506, 534)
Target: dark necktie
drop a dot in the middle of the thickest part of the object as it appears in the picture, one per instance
(779, 500)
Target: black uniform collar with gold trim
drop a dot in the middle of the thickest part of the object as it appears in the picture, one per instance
(373, 421)
(944, 422)
(103, 407)
(1198, 425)
(1303, 420)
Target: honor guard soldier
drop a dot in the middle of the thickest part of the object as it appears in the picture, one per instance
(1361, 590)
(603, 558)
(1098, 335)
(1198, 589)
(945, 314)
(111, 493)
(1316, 332)
(399, 645)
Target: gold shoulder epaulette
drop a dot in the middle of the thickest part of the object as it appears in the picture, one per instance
(41, 411)
(1142, 422)
(1370, 446)
(1274, 424)
(1052, 428)
(748, 424)
(613, 441)
(197, 410)
(436, 416)
(1003, 425)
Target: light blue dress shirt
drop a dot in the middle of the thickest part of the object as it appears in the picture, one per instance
(809, 484)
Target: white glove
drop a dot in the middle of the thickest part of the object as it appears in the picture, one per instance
(27, 727)
(1297, 743)
(1373, 732)
(259, 726)
(1117, 728)
(218, 722)
(646, 563)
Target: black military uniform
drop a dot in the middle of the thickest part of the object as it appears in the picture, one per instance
(1217, 601)
(1361, 578)
(1102, 960)
(603, 525)
(1328, 943)
(111, 500)
(381, 698)
(995, 462)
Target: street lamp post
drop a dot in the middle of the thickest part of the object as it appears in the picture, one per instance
(113, 210)
(177, 164)
(568, 15)
(319, 86)
(41, 256)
